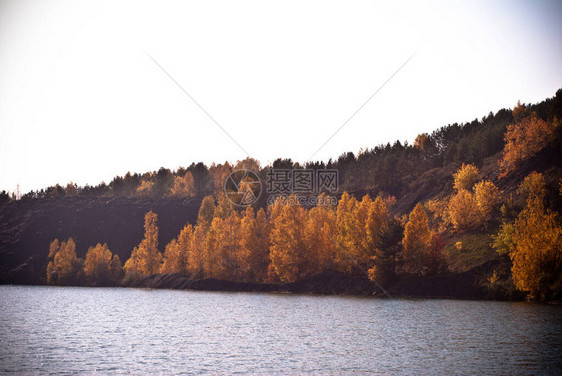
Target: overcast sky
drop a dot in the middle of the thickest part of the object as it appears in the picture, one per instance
(81, 100)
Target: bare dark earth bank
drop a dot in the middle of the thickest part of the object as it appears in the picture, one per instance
(467, 285)
(26, 228)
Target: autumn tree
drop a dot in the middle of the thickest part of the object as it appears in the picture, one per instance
(533, 186)
(320, 235)
(206, 210)
(64, 267)
(145, 259)
(71, 190)
(376, 224)
(171, 260)
(197, 254)
(487, 197)
(145, 188)
(248, 163)
(525, 137)
(175, 258)
(183, 186)
(197, 249)
(463, 210)
(348, 249)
(473, 203)
(421, 141)
(417, 240)
(465, 177)
(101, 267)
(438, 210)
(224, 207)
(222, 258)
(290, 260)
(254, 245)
(534, 243)
(218, 174)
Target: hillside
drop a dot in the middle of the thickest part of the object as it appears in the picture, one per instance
(404, 175)
(28, 226)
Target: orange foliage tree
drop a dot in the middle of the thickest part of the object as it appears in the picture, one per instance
(183, 186)
(101, 267)
(145, 259)
(145, 188)
(218, 175)
(347, 233)
(222, 258)
(465, 177)
(65, 266)
(473, 203)
(525, 137)
(320, 235)
(487, 197)
(254, 243)
(417, 240)
(534, 243)
(176, 254)
(290, 259)
(463, 210)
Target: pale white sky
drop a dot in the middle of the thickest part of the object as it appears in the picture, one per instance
(81, 101)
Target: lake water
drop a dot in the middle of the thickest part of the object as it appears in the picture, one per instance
(71, 330)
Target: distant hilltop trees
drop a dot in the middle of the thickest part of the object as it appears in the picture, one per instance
(518, 134)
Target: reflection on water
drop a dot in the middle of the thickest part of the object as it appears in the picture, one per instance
(86, 330)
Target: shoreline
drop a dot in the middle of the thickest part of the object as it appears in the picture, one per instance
(451, 286)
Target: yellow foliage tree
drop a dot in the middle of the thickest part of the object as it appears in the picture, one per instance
(533, 185)
(218, 175)
(383, 242)
(377, 222)
(470, 208)
(176, 254)
(224, 207)
(171, 260)
(254, 244)
(463, 210)
(183, 186)
(145, 188)
(487, 197)
(145, 259)
(320, 236)
(290, 259)
(537, 251)
(346, 233)
(221, 258)
(534, 243)
(421, 141)
(101, 267)
(465, 177)
(206, 210)
(524, 138)
(54, 247)
(196, 249)
(65, 266)
(417, 240)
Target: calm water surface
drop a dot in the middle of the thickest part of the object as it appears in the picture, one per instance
(69, 330)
